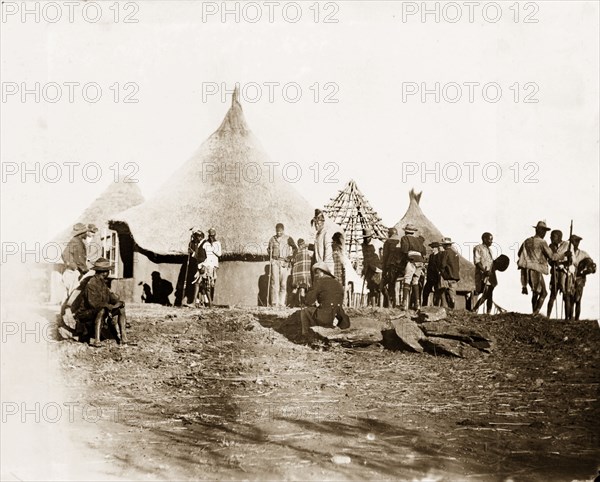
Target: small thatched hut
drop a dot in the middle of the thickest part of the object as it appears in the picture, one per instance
(226, 185)
(118, 196)
(414, 215)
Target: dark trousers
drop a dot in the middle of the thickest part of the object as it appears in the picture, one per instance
(191, 266)
(428, 289)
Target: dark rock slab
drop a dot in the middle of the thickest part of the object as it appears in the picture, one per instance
(478, 338)
(366, 322)
(409, 333)
(449, 347)
(353, 336)
(431, 313)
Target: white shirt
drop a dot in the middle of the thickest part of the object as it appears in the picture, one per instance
(213, 251)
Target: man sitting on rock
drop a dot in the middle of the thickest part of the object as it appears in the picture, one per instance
(328, 294)
(97, 305)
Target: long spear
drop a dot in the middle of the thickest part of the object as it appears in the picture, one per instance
(566, 295)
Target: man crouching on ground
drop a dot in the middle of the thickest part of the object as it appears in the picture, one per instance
(97, 304)
(328, 294)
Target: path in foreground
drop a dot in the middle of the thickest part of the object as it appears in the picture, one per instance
(219, 394)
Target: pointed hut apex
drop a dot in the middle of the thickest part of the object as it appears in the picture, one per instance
(415, 195)
(234, 120)
(236, 95)
(351, 210)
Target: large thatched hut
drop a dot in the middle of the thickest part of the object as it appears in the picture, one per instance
(230, 185)
(414, 215)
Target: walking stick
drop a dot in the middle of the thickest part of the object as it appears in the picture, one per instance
(362, 293)
(270, 274)
(187, 265)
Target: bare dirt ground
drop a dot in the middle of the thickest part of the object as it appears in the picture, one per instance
(234, 394)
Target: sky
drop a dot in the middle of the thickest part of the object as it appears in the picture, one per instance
(509, 137)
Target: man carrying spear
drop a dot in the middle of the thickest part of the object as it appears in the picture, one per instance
(557, 270)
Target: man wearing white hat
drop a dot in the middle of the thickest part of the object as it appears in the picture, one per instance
(534, 254)
(328, 294)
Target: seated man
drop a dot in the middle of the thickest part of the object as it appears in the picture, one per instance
(328, 293)
(161, 289)
(97, 305)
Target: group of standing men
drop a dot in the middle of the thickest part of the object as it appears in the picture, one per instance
(567, 265)
(405, 265)
(198, 274)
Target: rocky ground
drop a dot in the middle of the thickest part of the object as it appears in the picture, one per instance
(234, 394)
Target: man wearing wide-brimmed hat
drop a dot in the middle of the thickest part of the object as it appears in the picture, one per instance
(75, 258)
(97, 304)
(581, 266)
(367, 239)
(534, 254)
(413, 254)
(449, 269)
(328, 293)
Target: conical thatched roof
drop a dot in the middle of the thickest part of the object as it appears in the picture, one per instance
(117, 197)
(353, 212)
(225, 185)
(414, 215)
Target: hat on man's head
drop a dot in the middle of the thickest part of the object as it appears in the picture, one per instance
(542, 225)
(446, 242)
(212, 232)
(92, 228)
(323, 267)
(367, 233)
(102, 264)
(435, 244)
(392, 231)
(574, 237)
(410, 228)
(196, 230)
(79, 228)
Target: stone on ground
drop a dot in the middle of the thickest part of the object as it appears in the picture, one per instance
(447, 346)
(409, 333)
(354, 336)
(431, 313)
(478, 338)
